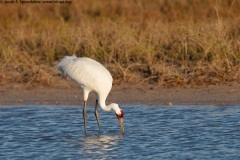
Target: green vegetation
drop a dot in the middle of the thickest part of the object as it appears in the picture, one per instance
(161, 42)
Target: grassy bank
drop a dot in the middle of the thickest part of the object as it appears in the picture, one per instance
(161, 42)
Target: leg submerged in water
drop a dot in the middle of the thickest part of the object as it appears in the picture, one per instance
(84, 117)
(96, 115)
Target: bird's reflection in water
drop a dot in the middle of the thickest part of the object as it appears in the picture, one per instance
(100, 144)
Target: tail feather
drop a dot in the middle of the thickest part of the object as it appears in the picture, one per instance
(62, 65)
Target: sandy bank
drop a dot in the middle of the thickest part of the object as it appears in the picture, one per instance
(15, 94)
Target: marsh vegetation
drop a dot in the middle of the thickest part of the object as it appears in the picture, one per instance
(179, 42)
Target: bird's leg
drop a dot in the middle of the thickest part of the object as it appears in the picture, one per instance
(84, 116)
(96, 115)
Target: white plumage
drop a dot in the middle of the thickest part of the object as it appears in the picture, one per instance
(91, 76)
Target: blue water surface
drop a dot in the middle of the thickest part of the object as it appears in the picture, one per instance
(151, 132)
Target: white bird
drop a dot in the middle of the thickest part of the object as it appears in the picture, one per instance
(91, 76)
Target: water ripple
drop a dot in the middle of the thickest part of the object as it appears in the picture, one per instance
(152, 132)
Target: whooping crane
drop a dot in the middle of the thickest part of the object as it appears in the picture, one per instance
(91, 76)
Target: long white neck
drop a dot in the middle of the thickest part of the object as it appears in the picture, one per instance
(103, 105)
(114, 106)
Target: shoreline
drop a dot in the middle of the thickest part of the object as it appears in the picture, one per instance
(222, 95)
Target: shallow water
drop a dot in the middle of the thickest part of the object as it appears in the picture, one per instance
(151, 132)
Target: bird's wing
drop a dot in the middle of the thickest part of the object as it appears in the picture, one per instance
(86, 72)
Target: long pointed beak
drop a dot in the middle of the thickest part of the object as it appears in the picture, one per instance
(121, 124)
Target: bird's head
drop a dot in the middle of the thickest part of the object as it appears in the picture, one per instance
(119, 114)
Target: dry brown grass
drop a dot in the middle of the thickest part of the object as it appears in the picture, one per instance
(161, 42)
